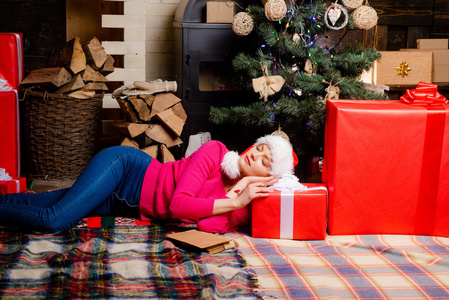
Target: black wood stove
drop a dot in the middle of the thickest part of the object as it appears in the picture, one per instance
(203, 63)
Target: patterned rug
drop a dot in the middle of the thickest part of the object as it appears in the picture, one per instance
(120, 262)
(371, 267)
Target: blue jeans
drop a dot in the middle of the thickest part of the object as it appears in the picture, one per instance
(109, 185)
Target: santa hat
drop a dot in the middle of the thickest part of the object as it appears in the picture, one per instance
(283, 157)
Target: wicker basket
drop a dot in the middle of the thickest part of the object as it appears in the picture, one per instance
(60, 133)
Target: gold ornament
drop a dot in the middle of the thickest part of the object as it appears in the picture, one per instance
(242, 24)
(352, 4)
(280, 133)
(275, 9)
(333, 13)
(333, 91)
(296, 38)
(267, 85)
(365, 17)
(403, 69)
(308, 68)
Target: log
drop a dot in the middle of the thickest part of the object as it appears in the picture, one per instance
(70, 55)
(130, 129)
(75, 84)
(48, 76)
(82, 94)
(95, 86)
(108, 66)
(162, 102)
(90, 74)
(95, 54)
(141, 107)
(151, 150)
(158, 133)
(128, 111)
(128, 142)
(166, 155)
(173, 118)
(148, 98)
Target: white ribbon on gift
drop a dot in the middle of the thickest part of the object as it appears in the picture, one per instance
(4, 176)
(288, 185)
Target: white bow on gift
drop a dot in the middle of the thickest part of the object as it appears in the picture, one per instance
(4, 176)
(289, 183)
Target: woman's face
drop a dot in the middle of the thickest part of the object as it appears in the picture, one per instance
(256, 161)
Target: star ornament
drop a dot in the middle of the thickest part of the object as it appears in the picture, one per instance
(403, 69)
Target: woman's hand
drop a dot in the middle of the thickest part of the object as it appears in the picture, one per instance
(255, 187)
(243, 183)
(247, 189)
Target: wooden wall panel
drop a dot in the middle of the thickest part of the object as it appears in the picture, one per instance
(440, 27)
(404, 12)
(84, 19)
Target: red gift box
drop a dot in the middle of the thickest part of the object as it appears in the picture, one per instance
(11, 58)
(15, 185)
(9, 133)
(11, 74)
(298, 215)
(385, 164)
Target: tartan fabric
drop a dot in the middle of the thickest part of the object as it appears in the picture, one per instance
(120, 262)
(350, 267)
(109, 221)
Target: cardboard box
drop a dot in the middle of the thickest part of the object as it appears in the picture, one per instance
(432, 44)
(220, 11)
(9, 133)
(403, 68)
(203, 241)
(16, 185)
(440, 71)
(291, 215)
(386, 166)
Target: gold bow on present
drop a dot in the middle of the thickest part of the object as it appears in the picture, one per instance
(267, 85)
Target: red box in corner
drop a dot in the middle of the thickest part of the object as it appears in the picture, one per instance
(11, 58)
(15, 185)
(301, 215)
(9, 133)
(386, 167)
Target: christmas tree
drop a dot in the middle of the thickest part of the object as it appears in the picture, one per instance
(294, 69)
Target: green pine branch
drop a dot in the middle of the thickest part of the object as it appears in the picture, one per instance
(256, 114)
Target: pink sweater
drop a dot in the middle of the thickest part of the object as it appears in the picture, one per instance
(185, 190)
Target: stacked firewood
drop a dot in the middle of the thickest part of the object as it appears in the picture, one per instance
(154, 117)
(75, 68)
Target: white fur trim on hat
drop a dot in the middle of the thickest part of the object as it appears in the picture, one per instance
(230, 165)
(281, 154)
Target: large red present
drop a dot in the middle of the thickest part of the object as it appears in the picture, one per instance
(287, 214)
(386, 166)
(11, 58)
(9, 133)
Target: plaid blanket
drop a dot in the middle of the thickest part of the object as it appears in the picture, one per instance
(350, 267)
(120, 262)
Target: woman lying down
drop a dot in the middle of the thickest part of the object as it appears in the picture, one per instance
(212, 188)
